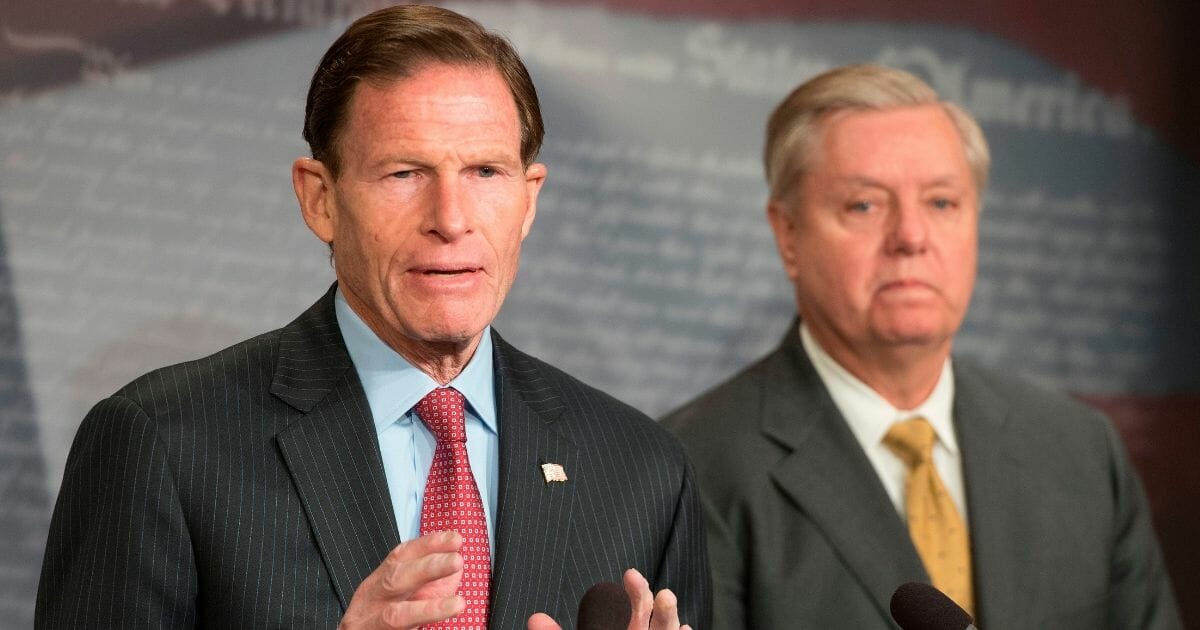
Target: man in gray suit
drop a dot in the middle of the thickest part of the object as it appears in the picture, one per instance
(858, 456)
(270, 485)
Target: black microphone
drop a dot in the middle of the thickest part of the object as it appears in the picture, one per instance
(604, 606)
(917, 606)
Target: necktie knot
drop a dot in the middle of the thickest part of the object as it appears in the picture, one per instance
(442, 410)
(911, 440)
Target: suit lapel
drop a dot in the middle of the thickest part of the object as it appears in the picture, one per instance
(331, 450)
(832, 481)
(532, 540)
(997, 499)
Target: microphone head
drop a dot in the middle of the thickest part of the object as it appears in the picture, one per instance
(604, 606)
(917, 606)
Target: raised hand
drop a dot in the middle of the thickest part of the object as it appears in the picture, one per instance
(650, 612)
(415, 584)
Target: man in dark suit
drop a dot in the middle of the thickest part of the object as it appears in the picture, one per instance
(271, 484)
(857, 456)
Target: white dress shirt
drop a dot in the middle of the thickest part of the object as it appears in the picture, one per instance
(870, 417)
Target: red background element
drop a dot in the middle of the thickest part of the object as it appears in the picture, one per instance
(1162, 434)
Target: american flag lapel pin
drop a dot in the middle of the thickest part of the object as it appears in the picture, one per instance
(553, 472)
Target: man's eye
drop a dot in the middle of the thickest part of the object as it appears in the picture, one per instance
(859, 206)
(942, 203)
(402, 174)
(486, 171)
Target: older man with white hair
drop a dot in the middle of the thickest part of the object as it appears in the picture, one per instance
(858, 456)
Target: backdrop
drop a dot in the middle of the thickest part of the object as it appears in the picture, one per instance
(147, 217)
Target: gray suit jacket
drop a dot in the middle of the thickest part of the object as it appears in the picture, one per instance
(803, 535)
(246, 490)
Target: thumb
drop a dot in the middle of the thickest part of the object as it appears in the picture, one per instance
(542, 621)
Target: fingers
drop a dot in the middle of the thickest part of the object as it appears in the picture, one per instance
(666, 611)
(440, 542)
(375, 614)
(416, 583)
(640, 599)
(649, 612)
(418, 562)
(542, 621)
(413, 613)
(653, 612)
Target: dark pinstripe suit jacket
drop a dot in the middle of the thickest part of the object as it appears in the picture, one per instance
(246, 490)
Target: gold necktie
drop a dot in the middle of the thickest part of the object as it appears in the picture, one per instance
(936, 528)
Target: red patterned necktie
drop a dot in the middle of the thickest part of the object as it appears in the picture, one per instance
(452, 503)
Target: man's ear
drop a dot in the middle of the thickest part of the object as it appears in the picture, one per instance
(783, 225)
(313, 183)
(535, 176)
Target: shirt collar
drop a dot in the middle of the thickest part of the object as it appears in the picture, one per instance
(869, 414)
(393, 385)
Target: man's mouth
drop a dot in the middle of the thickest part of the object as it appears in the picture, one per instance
(447, 271)
(903, 283)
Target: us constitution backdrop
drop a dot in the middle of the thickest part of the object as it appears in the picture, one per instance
(146, 212)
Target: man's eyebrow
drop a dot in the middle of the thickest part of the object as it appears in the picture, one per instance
(862, 180)
(944, 180)
(394, 158)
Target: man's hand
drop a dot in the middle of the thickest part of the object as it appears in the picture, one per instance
(415, 584)
(650, 612)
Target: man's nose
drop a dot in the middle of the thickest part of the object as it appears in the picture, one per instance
(908, 230)
(449, 213)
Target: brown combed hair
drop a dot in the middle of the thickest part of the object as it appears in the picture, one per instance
(396, 42)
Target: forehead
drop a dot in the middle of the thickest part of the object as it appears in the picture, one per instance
(436, 98)
(899, 143)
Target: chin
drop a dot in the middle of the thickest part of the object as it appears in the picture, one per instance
(457, 335)
(914, 331)
(913, 321)
(450, 328)
(915, 336)
(447, 320)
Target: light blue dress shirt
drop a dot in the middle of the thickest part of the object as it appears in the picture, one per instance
(393, 387)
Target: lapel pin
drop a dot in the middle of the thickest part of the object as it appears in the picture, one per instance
(553, 472)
